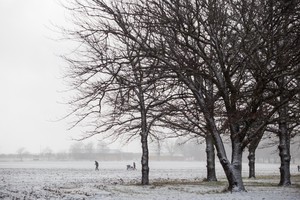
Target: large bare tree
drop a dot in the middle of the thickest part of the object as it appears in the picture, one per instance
(118, 87)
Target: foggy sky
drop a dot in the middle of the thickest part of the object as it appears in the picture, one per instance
(30, 77)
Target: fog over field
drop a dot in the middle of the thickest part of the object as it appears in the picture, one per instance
(30, 77)
(33, 97)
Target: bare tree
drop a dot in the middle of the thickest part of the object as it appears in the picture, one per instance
(47, 152)
(190, 53)
(89, 148)
(283, 28)
(102, 147)
(116, 95)
(76, 150)
(21, 152)
(171, 146)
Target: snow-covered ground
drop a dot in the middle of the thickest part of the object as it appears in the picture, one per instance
(169, 180)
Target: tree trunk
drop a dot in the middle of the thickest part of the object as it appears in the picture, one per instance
(210, 158)
(210, 149)
(233, 173)
(145, 160)
(236, 183)
(144, 141)
(251, 157)
(233, 170)
(284, 149)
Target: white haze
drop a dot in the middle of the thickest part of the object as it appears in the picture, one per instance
(30, 77)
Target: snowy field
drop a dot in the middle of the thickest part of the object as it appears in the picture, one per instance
(169, 180)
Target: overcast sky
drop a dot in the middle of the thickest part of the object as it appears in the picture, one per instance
(30, 77)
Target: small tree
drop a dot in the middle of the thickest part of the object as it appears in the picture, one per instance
(21, 152)
(102, 147)
(89, 148)
(47, 153)
(171, 146)
(76, 150)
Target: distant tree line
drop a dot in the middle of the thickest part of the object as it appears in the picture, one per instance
(220, 70)
(168, 150)
(76, 151)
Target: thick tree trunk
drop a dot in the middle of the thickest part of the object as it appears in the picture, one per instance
(233, 170)
(285, 158)
(210, 158)
(284, 150)
(145, 160)
(236, 164)
(234, 173)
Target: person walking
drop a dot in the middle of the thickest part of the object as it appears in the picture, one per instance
(134, 166)
(97, 165)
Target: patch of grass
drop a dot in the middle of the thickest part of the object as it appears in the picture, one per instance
(220, 186)
(296, 177)
(271, 177)
(270, 181)
(261, 184)
(187, 182)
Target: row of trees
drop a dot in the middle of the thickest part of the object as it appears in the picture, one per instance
(219, 70)
(178, 149)
(74, 150)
